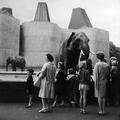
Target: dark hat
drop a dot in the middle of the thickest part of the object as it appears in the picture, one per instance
(61, 65)
(113, 58)
(30, 70)
(71, 71)
(50, 57)
(100, 55)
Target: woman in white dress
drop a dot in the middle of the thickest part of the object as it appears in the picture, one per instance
(47, 77)
(101, 73)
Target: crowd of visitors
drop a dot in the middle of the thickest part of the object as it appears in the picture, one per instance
(72, 88)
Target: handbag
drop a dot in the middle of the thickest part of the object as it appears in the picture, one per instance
(37, 82)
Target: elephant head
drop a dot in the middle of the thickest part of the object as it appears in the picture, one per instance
(12, 61)
(76, 44)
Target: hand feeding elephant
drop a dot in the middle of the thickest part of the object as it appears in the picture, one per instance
(71, 49)
(15, 62)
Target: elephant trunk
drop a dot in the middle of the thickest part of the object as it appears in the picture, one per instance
(86, 52)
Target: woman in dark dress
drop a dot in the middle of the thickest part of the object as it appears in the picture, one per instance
(60, 84)
(115, 84)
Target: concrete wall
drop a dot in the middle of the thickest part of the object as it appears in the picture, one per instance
(9, 37)
(99, 40)
(40, 38)
(44, 37)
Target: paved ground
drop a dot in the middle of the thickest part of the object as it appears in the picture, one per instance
(16, 111)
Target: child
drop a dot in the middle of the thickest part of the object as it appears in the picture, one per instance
(84, 80)
(29, 87)
(72, 86)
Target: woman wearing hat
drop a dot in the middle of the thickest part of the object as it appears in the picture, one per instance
(101, 73)
(47, 77)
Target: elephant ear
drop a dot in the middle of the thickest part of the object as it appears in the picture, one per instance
(70, 39)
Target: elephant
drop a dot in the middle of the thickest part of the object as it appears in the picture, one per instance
(15, 62)
(73, 49)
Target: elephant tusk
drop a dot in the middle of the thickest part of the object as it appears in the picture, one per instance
(82, 52)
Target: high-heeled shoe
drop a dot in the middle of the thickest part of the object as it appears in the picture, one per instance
(54, 105)
(100, 113)
(43, 110)
(84, 112)
(29, 106)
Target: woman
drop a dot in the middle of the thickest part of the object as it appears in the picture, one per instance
(59, 84)
(101, 73)
(47, 77)
(115, 84)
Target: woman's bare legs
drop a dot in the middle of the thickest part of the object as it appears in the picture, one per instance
(84, 100)
(30, 100)
(44, 107)
(103, 105)
(55, 101)
(81, 99)
(100, 105)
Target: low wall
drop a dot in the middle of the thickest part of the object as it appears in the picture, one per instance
(12, 87)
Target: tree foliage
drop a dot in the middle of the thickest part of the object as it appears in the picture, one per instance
(115, 52)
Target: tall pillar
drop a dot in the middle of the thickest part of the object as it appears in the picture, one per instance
(42, 13)
(6, 11)
(40, 37)
(79, 19)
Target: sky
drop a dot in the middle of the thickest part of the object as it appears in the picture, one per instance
(103, 14)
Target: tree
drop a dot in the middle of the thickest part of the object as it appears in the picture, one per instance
(115, 52)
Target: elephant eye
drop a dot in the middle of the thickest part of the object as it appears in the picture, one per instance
(88, 40)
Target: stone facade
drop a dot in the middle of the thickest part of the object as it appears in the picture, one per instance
(9, 37)
(40, 38)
